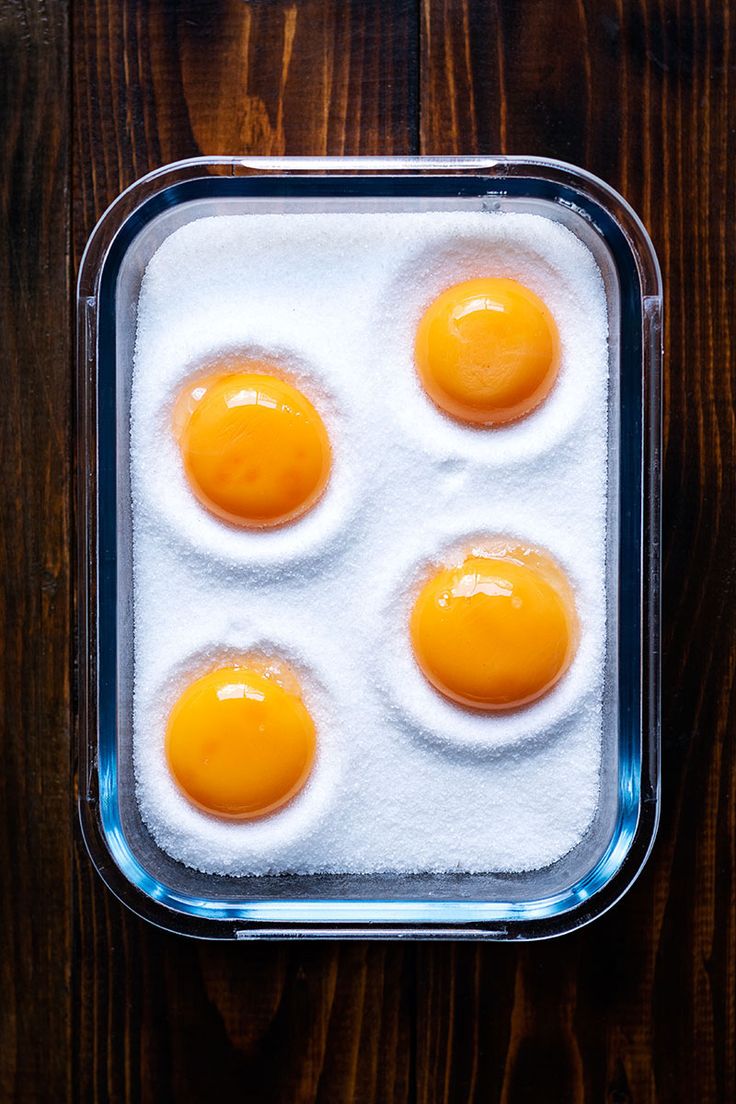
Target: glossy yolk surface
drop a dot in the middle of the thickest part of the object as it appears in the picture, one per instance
(240, 744)
(255, 450)
(487, 351)
(496, 632)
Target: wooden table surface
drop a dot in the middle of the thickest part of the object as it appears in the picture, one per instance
(95, 1004)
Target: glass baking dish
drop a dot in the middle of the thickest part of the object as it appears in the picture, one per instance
(532, 905)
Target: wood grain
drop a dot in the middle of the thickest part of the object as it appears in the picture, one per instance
(98, 1006)
(159, 81)
(35, 794)
(642, 94)
(158, 1018)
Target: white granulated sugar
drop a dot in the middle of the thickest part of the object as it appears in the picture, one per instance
(404, 780)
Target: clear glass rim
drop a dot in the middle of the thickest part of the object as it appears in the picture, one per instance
(361, 918)
(491, 166)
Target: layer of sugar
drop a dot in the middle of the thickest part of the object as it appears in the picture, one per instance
(405, 781)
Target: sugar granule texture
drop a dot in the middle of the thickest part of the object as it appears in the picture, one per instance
(404, 780)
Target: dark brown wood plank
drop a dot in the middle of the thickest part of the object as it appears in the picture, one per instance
(35, 779)
(640, 1007)
(168, 79)
(157, 1017)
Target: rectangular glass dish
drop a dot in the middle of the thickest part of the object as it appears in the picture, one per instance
(530, 905)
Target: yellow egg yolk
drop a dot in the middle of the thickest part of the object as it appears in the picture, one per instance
(496, 632)
(239, 743)
(487, 351)
(255, 451)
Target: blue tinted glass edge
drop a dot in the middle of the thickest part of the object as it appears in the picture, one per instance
(523, 919)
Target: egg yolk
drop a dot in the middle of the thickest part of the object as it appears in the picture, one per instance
(498, 631)
(487, 351)
(255, 451)
(239, 743)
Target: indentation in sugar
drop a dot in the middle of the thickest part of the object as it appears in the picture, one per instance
(563, 275)
(424, 713)
(161, 488)
(270, 841)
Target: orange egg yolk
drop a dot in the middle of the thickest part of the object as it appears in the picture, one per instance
(255, 451)
(487, 351)
(498, 631)
(239, 743)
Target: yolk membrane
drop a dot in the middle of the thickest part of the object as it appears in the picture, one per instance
(240, 743)
(487, 351)
(496, 632)
(255, 451)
